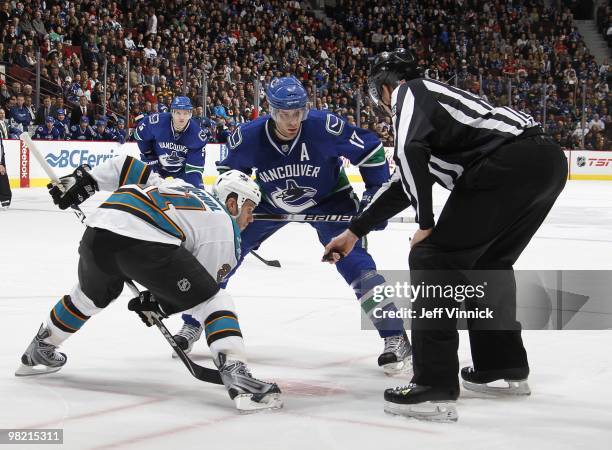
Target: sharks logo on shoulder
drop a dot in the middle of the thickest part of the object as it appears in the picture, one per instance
(294, 198)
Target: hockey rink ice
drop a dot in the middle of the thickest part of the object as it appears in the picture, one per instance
(301, 323)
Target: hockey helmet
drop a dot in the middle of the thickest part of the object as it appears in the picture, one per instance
(239, 183)
(390, 68)
(287, 93)
(181, 103)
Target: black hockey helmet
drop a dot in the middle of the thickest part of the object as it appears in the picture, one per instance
(390, 68)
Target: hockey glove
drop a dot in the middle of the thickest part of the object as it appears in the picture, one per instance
(365, 201)
(76, 188)
(146, 306)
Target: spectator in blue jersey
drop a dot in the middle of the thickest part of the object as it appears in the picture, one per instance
(299, 155)
(47, 131)
(82, 132)
(173, 144)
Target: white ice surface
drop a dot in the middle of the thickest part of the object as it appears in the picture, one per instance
(121, 389)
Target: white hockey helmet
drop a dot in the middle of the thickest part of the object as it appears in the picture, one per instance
(239, 183)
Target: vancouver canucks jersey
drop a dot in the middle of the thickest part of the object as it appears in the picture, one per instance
(145, 206)
(170, 153)
(299, 174)
(43, 132)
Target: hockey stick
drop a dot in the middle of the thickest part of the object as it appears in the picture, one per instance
(271, 262)
(200, 372)
(320, 218)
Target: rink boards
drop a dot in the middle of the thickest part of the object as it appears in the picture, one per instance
(65, 156)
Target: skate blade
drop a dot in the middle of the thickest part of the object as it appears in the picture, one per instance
(514, 387)
(246, 405)
(397, 368)
(442, 411)
(27, 371)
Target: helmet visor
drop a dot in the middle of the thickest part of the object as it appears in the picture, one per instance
(289, 115)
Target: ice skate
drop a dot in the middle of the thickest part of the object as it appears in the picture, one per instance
(496, 382)
(248, 393)
(186, 337)
(397, 355)
(40, 357)
(433, 404)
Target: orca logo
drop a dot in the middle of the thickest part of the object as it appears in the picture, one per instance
(294, 198)
(171, 162)
(184, 285)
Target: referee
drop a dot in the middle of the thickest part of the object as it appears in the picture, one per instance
(504, 175)
(5, 187)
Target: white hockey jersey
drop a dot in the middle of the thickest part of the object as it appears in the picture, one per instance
(145, 206)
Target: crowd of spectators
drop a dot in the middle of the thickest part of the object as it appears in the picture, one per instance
(508, 52)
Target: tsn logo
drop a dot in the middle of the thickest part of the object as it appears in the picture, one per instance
(599, 162)
(593, 162)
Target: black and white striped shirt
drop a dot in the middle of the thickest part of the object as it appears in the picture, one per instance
(440, 131)
(3, 135)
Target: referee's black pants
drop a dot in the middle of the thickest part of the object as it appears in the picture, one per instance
(489, 218)
(5, 190)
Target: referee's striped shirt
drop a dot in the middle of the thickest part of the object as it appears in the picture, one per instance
(439, 132)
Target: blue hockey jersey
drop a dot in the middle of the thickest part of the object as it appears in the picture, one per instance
(43, 132)
(80, 134)
(172, 154)
(299, 174)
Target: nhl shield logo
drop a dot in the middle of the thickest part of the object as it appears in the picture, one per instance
(184, 285)
(581, 161)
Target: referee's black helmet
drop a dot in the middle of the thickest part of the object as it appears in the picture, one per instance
(390, 68)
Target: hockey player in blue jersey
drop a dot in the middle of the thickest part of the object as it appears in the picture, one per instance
(47, 131)
(103, 133)
(173, 144)
(298, 155)
(120, 131)
(83, 132)
(62, 123)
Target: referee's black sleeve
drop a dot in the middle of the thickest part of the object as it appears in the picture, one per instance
(389, 200)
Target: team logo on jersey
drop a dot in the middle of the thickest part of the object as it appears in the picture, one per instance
(334, 124)
(294, 198)
(223, 271)
(171, 160)
(235, 138)
(184, 285)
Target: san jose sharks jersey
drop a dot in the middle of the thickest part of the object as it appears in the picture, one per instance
(178, 155)
(145, 206)
(299, 174)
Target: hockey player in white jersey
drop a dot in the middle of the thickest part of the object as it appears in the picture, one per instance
(176, 240)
